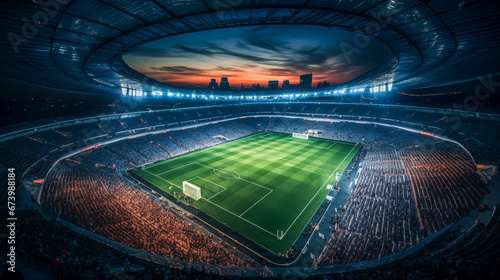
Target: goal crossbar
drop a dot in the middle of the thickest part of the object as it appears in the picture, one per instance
(300, 135)
(191, 190)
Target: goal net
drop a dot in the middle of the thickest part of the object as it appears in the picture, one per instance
(191, 190)
(300, 135)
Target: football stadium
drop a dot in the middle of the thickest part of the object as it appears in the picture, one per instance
(248, 139)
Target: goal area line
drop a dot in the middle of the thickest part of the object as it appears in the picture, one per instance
(215, 204)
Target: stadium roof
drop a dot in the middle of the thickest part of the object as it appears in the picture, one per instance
(77, 45)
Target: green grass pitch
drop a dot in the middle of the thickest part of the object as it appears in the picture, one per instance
(260, 184)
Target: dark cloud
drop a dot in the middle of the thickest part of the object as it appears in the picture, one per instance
(177, 69)
(271, 51)
(244, 54)
(267, 43)
(229, 69)
(200, 51)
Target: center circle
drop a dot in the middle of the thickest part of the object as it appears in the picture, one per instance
(227, 173)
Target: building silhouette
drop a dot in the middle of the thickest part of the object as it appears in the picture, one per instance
(213, 85)
(224, 83)
(306, 81)
(256, 87)
(273, 85)
(285, 85)
(323, 84)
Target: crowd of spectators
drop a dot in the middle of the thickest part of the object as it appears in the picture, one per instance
(101, 201)
(379, 217)
(473, 132)
(47, 250)
(447, 185)
(409, 185)
(151, 148)
(57, 253)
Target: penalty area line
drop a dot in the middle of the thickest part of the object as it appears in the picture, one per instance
(331, 145)
(255, 203)
(265, 230)
(250, 182)
(164, 180)
(175, 168)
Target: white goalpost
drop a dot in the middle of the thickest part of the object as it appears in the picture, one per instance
(300, 135)
(279, 234)
(191, 190)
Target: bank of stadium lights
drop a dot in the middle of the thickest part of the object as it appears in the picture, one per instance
(381, 88)
(138, 92)
(156, 93)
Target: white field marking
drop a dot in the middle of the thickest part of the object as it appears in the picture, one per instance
(175, 158)
(219, 206)
(331, 145)
(222, 171)
(163, 179)
(215, 194)
(241, 217)
(250, 182)
(270, 191)
(211, 183)
(310, 144)
(207, 181)
(296, 162)
(175, 168)
(319, 190)
(255, 203)
(170, 160)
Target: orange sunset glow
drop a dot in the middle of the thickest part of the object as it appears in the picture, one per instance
(255, 55)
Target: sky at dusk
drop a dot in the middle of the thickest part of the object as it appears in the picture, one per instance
(255, 54)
